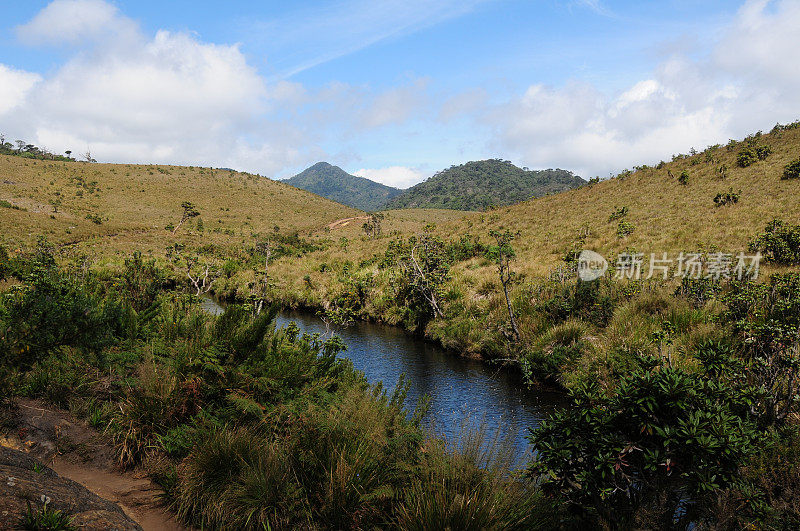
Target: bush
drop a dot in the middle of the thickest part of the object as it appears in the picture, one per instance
(751, 155)
(779, 243)
(95, 218)
(659, 449)
(625, 228)
(684, 178)
(727, 198)
(618, 213)
(55, 311)
(792, 170)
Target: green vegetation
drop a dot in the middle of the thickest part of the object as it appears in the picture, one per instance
(242, 424)
(684, 390)
(20, 148)
(779, 243)
(45, 519)
(483, 185)
(752, 154)
(336, 184)
(792, 170)
(727, 198)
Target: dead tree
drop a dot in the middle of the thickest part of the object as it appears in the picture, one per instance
(265, 248)
(426, 287)
(202, 279)
(425, 269)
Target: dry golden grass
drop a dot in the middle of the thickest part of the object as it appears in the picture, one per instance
(136, 202)
(668, 216)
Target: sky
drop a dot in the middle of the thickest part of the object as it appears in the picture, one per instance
(395, 90)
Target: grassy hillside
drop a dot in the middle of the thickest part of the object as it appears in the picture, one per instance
(665, 215)
(334, 183)
(126, 207)
(483, 184)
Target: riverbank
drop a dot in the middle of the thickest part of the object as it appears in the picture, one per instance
(242, 425)
(459, 392)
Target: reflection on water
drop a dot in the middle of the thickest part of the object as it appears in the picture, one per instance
(459, 389)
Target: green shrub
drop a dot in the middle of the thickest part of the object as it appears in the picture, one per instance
(727, 198)
(625, 228)
(752, 154)
(684, 178)
(53, 310)
(792, 170)
(618, 213)
(661, 447)
(779, 243)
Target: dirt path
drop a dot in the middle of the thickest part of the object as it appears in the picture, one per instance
(137, 496)
(77, 452)
(339, 223)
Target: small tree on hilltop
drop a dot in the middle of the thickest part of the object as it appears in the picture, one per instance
(189, 211)
(502, 254)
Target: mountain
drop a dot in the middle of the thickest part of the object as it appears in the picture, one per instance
(482, 184)
(334, 183)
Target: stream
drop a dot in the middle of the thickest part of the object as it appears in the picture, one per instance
(461, 390)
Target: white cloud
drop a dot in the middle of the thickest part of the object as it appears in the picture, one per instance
(14, 87)
(169, 98)
(75, 21)
(397, 176)
(172, 98)
(749, 81)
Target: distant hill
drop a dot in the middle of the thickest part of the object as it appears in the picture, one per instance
(334, 183)
(482, 184)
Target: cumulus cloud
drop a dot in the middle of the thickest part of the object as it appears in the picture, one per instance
(14, 87)
(76, 21)
(172, 98)
(397, 176)
(749, 81)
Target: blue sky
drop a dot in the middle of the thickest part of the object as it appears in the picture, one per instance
(395, 90)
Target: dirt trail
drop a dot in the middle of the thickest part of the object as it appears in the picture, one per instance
(339, 223)
(77, 452)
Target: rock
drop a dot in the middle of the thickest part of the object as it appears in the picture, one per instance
(24, 479)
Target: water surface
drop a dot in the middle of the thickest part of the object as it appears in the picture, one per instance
(460, 389)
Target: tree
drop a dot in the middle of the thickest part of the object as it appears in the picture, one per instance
(68, 153)
(20, 145)
(502, 254)
(88, 156)
(189, 211)
(372, 227)
(424, 269)
(201, 275)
